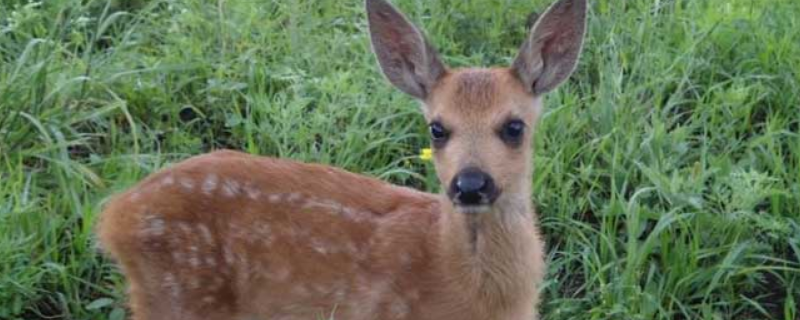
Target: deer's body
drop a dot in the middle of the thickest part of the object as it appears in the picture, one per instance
(275, 249)
(233, 236)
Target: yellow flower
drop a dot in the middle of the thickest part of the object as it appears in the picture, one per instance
(426, 154)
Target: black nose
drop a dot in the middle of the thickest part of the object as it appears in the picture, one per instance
(472, 186)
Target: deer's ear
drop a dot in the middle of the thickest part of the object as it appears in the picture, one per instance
(405, 56)
(551, 52)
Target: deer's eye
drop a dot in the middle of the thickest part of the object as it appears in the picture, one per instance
(512, 132)
(438, 134)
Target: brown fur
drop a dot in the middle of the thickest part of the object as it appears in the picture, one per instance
(228, 235)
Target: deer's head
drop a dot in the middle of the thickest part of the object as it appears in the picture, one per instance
(481, 120)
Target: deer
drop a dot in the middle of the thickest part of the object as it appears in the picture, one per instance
(228, 235)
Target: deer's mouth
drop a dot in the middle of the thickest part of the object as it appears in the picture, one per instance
(473, 209)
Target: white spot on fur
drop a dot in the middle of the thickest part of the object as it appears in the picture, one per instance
(320, 246)
(274, 198)
(210, 184)
(170, 283)
(263, 233)
(209, 299)
(153, 226)
(321, 249)
(353, 214)
(230, 188)
(227, 255)
(167, 181)
(329, 205)
(244, 272)
(210, 261)
(300, 290)
(194, 261)
(206, 234)
(185, 228)
(294, 196)
(187, 184)
(333, 206)
(252, 192)
(251, 234)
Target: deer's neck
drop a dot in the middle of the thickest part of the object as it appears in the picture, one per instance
(492, 255)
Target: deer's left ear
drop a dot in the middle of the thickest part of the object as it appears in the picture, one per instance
(551, 52)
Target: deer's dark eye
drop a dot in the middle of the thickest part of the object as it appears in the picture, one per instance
(512, 132)
(438, 134)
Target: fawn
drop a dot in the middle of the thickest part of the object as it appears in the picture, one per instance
(233, 236)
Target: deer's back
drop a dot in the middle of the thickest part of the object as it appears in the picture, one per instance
(229, 234)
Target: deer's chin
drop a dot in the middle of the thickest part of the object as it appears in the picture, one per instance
(473, 209)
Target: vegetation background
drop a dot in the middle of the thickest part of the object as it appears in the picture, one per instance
(667, 169)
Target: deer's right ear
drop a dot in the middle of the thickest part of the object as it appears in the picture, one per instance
(405, 56)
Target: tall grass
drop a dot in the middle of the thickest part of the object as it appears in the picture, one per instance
(667, 169)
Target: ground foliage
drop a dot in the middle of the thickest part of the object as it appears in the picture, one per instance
(667, 169)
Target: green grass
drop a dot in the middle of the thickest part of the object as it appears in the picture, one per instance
(667, 169)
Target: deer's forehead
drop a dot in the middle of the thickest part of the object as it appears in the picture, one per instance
(478, 95)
